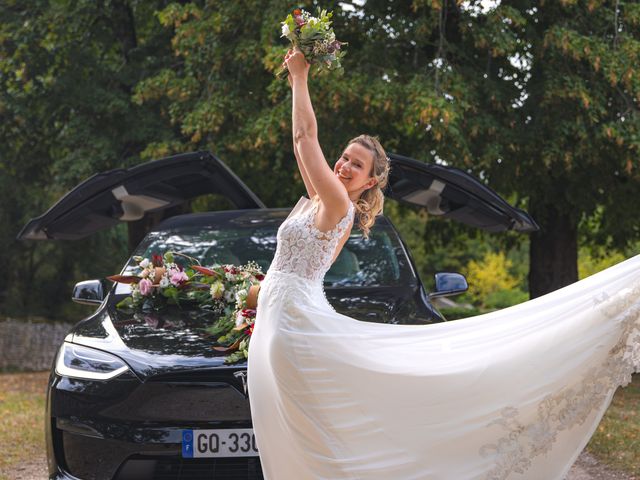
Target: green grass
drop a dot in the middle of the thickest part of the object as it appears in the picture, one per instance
(22, 401)
(617, 439)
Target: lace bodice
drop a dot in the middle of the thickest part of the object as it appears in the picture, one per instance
(304, 250)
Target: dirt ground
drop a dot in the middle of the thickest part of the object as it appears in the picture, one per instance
(585, 468)
(33, 469)
(588, 468)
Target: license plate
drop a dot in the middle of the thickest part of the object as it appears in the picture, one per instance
(229, 442)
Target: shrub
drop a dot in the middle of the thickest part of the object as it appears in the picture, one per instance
(505, 298)
(456, 313)
(489, 276)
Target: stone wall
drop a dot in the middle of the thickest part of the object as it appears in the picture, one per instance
(29, 345)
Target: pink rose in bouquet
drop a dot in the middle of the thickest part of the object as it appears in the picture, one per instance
(145, 286)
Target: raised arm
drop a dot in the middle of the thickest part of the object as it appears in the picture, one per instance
(321, 178)
(305, 178)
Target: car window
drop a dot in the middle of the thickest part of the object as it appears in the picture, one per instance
(378, 260)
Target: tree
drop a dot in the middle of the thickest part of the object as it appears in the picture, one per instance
(580, 131)
(67, 71)
(538, 99)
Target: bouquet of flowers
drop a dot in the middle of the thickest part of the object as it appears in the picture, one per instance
(315, 38)
(223, 289)
(233, 329)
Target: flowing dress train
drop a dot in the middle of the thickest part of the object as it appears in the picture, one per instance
(513, 394)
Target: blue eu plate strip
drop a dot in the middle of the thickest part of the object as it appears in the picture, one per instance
(187, 444)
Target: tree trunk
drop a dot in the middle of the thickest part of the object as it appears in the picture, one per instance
(124, 26)
(553, 252)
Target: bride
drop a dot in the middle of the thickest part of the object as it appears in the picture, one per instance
(513, 394)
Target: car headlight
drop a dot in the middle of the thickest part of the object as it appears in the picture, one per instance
(78, 361)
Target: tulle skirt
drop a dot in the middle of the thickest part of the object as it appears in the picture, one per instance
(515, 393)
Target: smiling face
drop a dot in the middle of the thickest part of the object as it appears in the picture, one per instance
(354, 168)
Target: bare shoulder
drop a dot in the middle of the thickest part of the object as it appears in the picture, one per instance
(329, 215)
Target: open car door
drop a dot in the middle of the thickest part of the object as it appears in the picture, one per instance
(453, 193)
(108, 198)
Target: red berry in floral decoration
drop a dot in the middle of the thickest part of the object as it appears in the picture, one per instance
(156, 260)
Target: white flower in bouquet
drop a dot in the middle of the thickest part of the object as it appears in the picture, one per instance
(217, 289)
(164, 283)
(136, 296)
(145, 263)
(241, 295)
(229, 295)
(191, 294)
(239, 319)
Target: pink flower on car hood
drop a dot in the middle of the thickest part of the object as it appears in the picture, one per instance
(145, 286)
(178, 277)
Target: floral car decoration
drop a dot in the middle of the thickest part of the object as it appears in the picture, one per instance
(315, 38)
(222, 289)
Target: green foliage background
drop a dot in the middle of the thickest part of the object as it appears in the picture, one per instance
(538, 99)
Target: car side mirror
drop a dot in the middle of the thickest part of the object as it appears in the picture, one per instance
(448, 284)
(89, 292)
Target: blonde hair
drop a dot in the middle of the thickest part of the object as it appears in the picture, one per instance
(370, 203)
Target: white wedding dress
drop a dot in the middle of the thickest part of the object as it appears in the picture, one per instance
(513, 394)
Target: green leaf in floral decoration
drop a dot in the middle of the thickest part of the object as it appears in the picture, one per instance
(126, 302)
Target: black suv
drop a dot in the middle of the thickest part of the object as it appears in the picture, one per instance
(144, 395)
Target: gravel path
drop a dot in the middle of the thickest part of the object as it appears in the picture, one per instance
(588, 468)
(34, 469)
(585, 468)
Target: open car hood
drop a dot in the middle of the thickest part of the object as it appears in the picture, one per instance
(453, 193)
(127, 194)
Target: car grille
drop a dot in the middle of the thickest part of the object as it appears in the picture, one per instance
(178, 468)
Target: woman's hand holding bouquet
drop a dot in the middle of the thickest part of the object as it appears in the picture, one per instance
(296, 65)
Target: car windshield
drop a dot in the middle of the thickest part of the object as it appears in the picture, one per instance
(377, 261)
